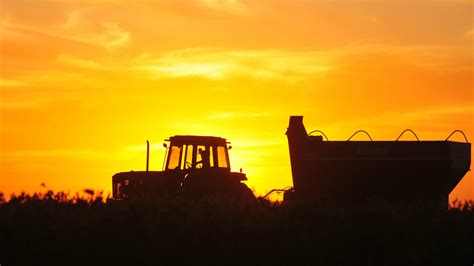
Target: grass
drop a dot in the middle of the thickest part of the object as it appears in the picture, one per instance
(56, 228)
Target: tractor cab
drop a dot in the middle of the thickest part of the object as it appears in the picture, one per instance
(197, 152)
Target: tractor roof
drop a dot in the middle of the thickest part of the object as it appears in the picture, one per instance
(197, 140)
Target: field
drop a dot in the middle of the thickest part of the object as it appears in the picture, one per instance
(55, 228)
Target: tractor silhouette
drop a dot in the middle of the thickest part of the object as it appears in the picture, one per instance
(194, 167)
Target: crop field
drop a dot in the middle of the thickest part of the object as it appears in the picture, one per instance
(59, 229)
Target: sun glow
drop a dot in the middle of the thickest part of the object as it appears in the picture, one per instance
(82, 88)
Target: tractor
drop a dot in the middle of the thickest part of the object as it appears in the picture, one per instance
(194, 167)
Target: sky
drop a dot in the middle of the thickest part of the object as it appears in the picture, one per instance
(84, 84)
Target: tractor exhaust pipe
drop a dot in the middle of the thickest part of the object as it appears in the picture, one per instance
(147, 154)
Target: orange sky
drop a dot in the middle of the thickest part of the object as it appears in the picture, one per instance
(83, 84)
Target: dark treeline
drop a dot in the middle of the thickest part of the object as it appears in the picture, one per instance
(55, 229)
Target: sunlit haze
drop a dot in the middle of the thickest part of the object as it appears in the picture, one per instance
(84, 84)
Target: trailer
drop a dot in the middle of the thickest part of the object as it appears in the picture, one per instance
(347, 171)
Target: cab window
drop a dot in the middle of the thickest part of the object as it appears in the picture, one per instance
(204, 157)
(174, 154)
(211, 157)
(187, 161)
(222, 157)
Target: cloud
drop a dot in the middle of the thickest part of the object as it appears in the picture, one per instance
(8, 32)
(85, 1)
(106, 34)
(233, 6)
(266, 64)
(212, 71)
(82, 24)
(215, 63)
(78, 62)
(78, 27)
(113, 36)
(72, 19)
(12, 83)
(24, 104)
